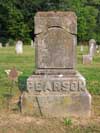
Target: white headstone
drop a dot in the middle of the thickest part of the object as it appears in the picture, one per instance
(87, 59)
(92, 47)
(32, 43)
(0, 45)
(19, 47)
(97, 46)
(7, 44)
(81, 49)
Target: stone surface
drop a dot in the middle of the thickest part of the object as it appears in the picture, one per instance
(57, 105)
(58, 96)
(7, 44)
(87, 59)
(0, 45)
(19, 47)
(56, 83)
(32, 43)
(92, 47)
(56, 40)
(56, 89)
(81, 49)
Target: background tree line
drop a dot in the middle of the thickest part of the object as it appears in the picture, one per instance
(17, 17)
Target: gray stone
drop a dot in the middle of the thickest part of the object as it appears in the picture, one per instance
(19, 47)
(0, 45)
(92, 47)
(56, 40)
(7, 44)
(58, 105)
(87, 59)
(56, 89)
(32, 43)
(81, 49)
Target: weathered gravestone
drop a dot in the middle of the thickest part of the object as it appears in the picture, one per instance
(19, 47)
(32, 43)
(0, 45)
(7, 44)
(56, 89)
(81, 49)
(92, 47)
(87, 59)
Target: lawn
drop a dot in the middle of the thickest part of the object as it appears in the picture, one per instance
(14, 122)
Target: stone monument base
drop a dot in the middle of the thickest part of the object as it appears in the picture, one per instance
(57, 96)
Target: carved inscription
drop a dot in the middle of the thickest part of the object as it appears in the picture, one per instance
(57, 86)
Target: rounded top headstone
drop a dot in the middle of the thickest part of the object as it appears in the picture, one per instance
(92, 41)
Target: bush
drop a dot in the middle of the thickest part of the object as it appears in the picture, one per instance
(22, 83)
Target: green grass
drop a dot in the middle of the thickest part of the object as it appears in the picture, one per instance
(26, 64)
(91, 72)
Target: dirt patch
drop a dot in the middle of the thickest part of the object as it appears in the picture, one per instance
(11, 122)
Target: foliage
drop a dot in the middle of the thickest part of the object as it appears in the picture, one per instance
(22, 83)
(68, 122)
(17, 17)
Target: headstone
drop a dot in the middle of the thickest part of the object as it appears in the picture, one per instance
(97, 49)
(92, 47)
(7, 44)
(56, 89)
(0, 45)
(19, 47)
(81, 49)
(87, 59)
(32, 43)
(97, 46)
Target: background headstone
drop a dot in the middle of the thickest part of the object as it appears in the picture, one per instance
(19, 47)
(81, 48)
(0, 45)
(32, 43)
(87, 59)
(7, 44)
(97, 48)
(92, 47)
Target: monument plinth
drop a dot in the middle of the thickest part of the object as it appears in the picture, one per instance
(56, 89)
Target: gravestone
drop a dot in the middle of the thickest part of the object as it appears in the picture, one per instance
(92, 47)
(97, 49)
(32, 43)
(81, 49)
(87, 59)
(0, 45)
(7, 44)
(19, 47)
(56, 89)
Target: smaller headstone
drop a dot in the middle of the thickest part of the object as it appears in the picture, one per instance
(87, 59)
(7, 44)
(97, 46)
(97, 49)
(0, 45)
(92, 47)
(32, 43)
(81, 49)
(19, 47)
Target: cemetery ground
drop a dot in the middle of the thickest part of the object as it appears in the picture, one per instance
(12, 121)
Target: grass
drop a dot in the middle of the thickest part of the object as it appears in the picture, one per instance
(11, 122)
